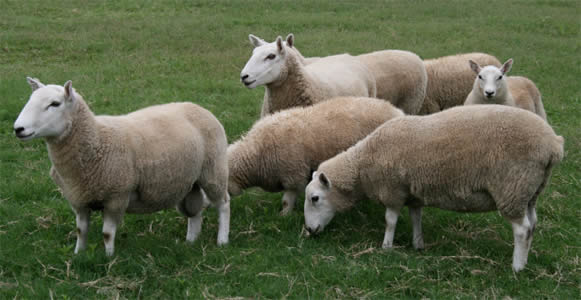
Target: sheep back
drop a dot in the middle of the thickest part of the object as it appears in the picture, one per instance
(450, 80)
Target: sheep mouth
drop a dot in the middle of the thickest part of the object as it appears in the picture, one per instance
(24, 137)
(314, 231)
(249, 82)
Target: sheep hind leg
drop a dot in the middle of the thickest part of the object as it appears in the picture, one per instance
(218, 196)
(288, 202)
(522, 231)
(83, 218)
(416, 216)
(192, 207)
(391, 216)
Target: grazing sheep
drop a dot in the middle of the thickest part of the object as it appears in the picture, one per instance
(152, 159)
(397, 76)
(491, 86)
(450, 79)
(466, 159)
(290, 82)
(281, 150)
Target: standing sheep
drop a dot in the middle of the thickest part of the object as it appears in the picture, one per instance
(152, 159)
(450, 80)
(396, 76)
(492, 86)
(281, 150)
(466, 159)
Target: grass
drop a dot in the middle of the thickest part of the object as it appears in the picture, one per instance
(124, 55)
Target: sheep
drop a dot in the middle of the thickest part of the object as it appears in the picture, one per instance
(467, 159)
(155, 158)
(491, 86)
(396, 76)
(450, 80)
(280, 151)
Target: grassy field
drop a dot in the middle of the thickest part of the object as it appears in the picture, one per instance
(125, 55)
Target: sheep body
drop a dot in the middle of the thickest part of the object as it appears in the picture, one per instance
(151, 159)
(491, 86)
(281, 150)
(400, 77)
(467, 159)
(450, 80)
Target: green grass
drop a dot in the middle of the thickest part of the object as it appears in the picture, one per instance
(124, 55)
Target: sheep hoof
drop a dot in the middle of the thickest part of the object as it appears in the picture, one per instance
(222, 242)
(518, 267)
(285, 212)
(386, 246)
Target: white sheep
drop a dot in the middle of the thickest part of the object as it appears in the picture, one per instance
(281, 150)
(152, 159)
(492, 86)
(467, 159)
(293, 80)
(450, 79)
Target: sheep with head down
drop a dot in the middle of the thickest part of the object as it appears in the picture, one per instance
(151, 159)
(292, 80)
(492, 86)
(468, 159)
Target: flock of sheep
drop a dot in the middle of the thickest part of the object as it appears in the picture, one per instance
(385, 125)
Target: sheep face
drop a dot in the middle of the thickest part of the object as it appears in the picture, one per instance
(266, 65)
(319, 210)
(491, 81)
(46, 112)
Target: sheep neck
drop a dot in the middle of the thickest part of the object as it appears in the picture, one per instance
(344, 177)
(73, 153)
(292, 89)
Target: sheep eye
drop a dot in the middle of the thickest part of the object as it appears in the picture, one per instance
(479, 77)
(54, 104)
(499, 77)
(314, 199)
(271, 56)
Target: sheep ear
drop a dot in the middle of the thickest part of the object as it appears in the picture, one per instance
(279, 44)
(474, 66)
(256, 41)
(314, 175)
(324, 180)
(290, 40)
(34, 83)
(69, 92)
(506, 66)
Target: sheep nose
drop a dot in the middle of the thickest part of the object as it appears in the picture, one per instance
(309, 230)
(243, 77)
(489, 93)
(18, 130)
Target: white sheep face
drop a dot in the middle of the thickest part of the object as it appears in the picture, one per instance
(319, 211)
(491, 80)
(45, 113)
(266, 63)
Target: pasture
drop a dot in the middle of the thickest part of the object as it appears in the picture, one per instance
(125, 55)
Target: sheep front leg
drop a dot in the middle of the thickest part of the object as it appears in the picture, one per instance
(111, 219)
(416, 216)
(390, 222)
(288, 202)
(522, 231)
(83, 218)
